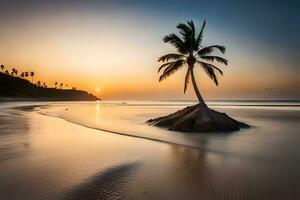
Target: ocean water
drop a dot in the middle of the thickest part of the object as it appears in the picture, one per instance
(274, 124)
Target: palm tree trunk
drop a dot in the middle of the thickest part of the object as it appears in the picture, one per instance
(197, 92)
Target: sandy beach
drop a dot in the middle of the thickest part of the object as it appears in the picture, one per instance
(47, 157)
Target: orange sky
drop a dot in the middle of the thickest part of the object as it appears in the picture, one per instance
(117, 52)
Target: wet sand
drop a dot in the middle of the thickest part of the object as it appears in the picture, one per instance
(44, 157)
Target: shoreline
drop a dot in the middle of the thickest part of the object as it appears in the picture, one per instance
(20, 99)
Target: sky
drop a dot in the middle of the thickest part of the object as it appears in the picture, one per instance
(113, 46)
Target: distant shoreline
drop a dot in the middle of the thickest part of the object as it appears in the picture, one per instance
(38, 99)
(16, 89)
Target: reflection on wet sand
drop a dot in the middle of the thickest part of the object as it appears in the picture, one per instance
(185, 173)
(13, 136)
(45, 157)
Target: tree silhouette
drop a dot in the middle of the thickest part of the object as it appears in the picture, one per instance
(32, 74)
(55, 85)
(61, 85)
(26, 74)
(39, 83)
(13, 71)
(7, 72)
(190, 53)
(2, 67)
(22, 75)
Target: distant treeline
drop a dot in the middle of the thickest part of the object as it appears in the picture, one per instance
(14, 87)
(26, 75)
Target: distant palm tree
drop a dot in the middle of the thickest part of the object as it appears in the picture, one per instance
(13, 71)
(32, 74)
(26, 74)
(191, 52)
(39, 83)
(44, 85)
(61, 85)
(16, 72)
(55, 85)
(2, 67)
(22, 75)
(7, 72)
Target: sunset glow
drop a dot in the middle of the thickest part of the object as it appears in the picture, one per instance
(117, 46)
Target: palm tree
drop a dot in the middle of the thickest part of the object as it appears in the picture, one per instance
(22, 75)
(26, 74)
(2, 67)
(55, 84)
(32, 74)
(191, 53)
(39, 83)
(13, 71)
(16, 72)
(6, 72)
(61, 85)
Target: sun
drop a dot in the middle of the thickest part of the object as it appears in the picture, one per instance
(97, 89)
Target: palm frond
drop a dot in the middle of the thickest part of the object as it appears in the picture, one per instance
(176, 42)
(213, 66)
(179, 62)
(217, 58)
(192, 28)
(171, 56)
(184, 30)
(210, 49)
(210, 72)
(165, 65)
(187, 80)
(171, 69)
(188, 33)
(200, 36)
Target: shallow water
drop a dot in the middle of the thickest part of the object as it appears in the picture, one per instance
(46, 157)
(273, 123)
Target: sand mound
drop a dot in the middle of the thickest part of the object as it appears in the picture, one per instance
(198, 118)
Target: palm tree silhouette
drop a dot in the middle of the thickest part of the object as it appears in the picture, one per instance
(7, 72)
(13, 71)
(190, 52)
(22, 75)
(55, 85)
(2, 67)
(61, 85)
(32, 74)
(26, 74)
(39, 83)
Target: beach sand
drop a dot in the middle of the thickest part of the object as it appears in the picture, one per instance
(44, 157)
